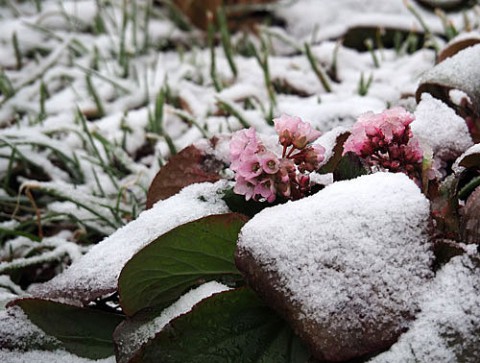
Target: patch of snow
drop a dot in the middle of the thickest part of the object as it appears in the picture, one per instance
(439, 125)
(448, 327)
(459, 72)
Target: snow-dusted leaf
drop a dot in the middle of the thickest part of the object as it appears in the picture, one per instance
(228, 327)
(345, 266)
(96, 273)
(135, 331)
(18, 333)
(471, 158)
(199, 251)
(189, 166)
(460, 72)
(457, 44)
(447, 329)
(85, 332)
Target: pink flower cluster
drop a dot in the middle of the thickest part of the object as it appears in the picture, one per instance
(385, 141)
(262, 174)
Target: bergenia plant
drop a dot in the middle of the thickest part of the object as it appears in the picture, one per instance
(264, 173)
(386, 143)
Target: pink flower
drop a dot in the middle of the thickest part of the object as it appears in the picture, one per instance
(243, 142)
(293, 131)
(249, 166)
(286, 127)
(244, 187)
(269, 162)
(377, 130)
(304, 135)
(309, 159)
(385, 141)
(262, 175)
(266, 189)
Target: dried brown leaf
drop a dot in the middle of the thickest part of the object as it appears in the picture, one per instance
(189, 166)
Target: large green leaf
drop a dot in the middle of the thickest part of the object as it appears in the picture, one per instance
(233, 326)
(180, 259)
(85, 332)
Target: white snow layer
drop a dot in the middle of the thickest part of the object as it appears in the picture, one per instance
(99, 269)
(439, 125)
(448, 327)
(357, 245)
(460, 71)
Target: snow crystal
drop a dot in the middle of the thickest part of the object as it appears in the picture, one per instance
(182, 306)
(99, 269)
(359, 246)
(448, 327)
(439, 125)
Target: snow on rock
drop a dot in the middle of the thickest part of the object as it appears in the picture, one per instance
(131, 343)
(439, 125)
(345, 266)
(96, 273)
(448, 327)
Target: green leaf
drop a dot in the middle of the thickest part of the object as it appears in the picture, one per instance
(185, 257)
(233, 326)
(237, 203)
(349, 167)
(85, 332)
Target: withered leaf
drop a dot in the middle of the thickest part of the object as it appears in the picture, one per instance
(189, 166)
